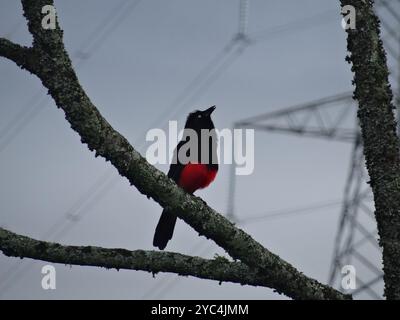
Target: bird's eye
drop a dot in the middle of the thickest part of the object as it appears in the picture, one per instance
(199, 116)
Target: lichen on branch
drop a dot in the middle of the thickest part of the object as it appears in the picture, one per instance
(53, 67)
(378, 129)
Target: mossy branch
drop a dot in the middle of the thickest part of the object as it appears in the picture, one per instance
(22, 56)
(378, 128)
(53, 67)
(218, 269)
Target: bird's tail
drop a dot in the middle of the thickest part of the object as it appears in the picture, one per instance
(164, 229)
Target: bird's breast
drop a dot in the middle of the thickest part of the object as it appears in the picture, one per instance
(196, 176)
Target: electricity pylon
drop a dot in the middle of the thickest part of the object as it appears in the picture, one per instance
(334, 119)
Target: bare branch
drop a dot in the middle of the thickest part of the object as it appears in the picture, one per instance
(219, 269)
(22, 56)
(378, 128)
(56, 73)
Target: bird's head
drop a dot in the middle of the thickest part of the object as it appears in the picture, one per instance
(198, 119)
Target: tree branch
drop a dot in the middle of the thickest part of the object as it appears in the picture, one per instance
(219, 269)
(378, 128)
(22, 56)
(56, 73)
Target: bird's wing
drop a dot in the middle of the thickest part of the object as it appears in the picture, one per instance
(175, 169)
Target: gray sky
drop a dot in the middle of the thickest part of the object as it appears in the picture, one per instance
(135, 73)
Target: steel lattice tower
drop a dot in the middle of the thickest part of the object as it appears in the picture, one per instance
(334, 119)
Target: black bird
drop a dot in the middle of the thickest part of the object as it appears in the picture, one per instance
(192, 175)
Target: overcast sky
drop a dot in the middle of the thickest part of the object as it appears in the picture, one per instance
(136, 61)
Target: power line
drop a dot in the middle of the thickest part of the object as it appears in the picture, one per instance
(62, 225)
(181, 100)
(390, 9)
(289, 212)
(117, 15)
(213, 76)
(92, 44)
(21, 121)
(297, 25)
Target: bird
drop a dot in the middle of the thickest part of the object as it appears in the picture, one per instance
(190, 175)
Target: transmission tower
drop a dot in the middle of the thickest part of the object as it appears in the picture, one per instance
(334, 119)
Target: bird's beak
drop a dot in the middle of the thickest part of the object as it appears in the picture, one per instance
(208, 111)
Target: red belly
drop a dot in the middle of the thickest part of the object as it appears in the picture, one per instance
(196, 176)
